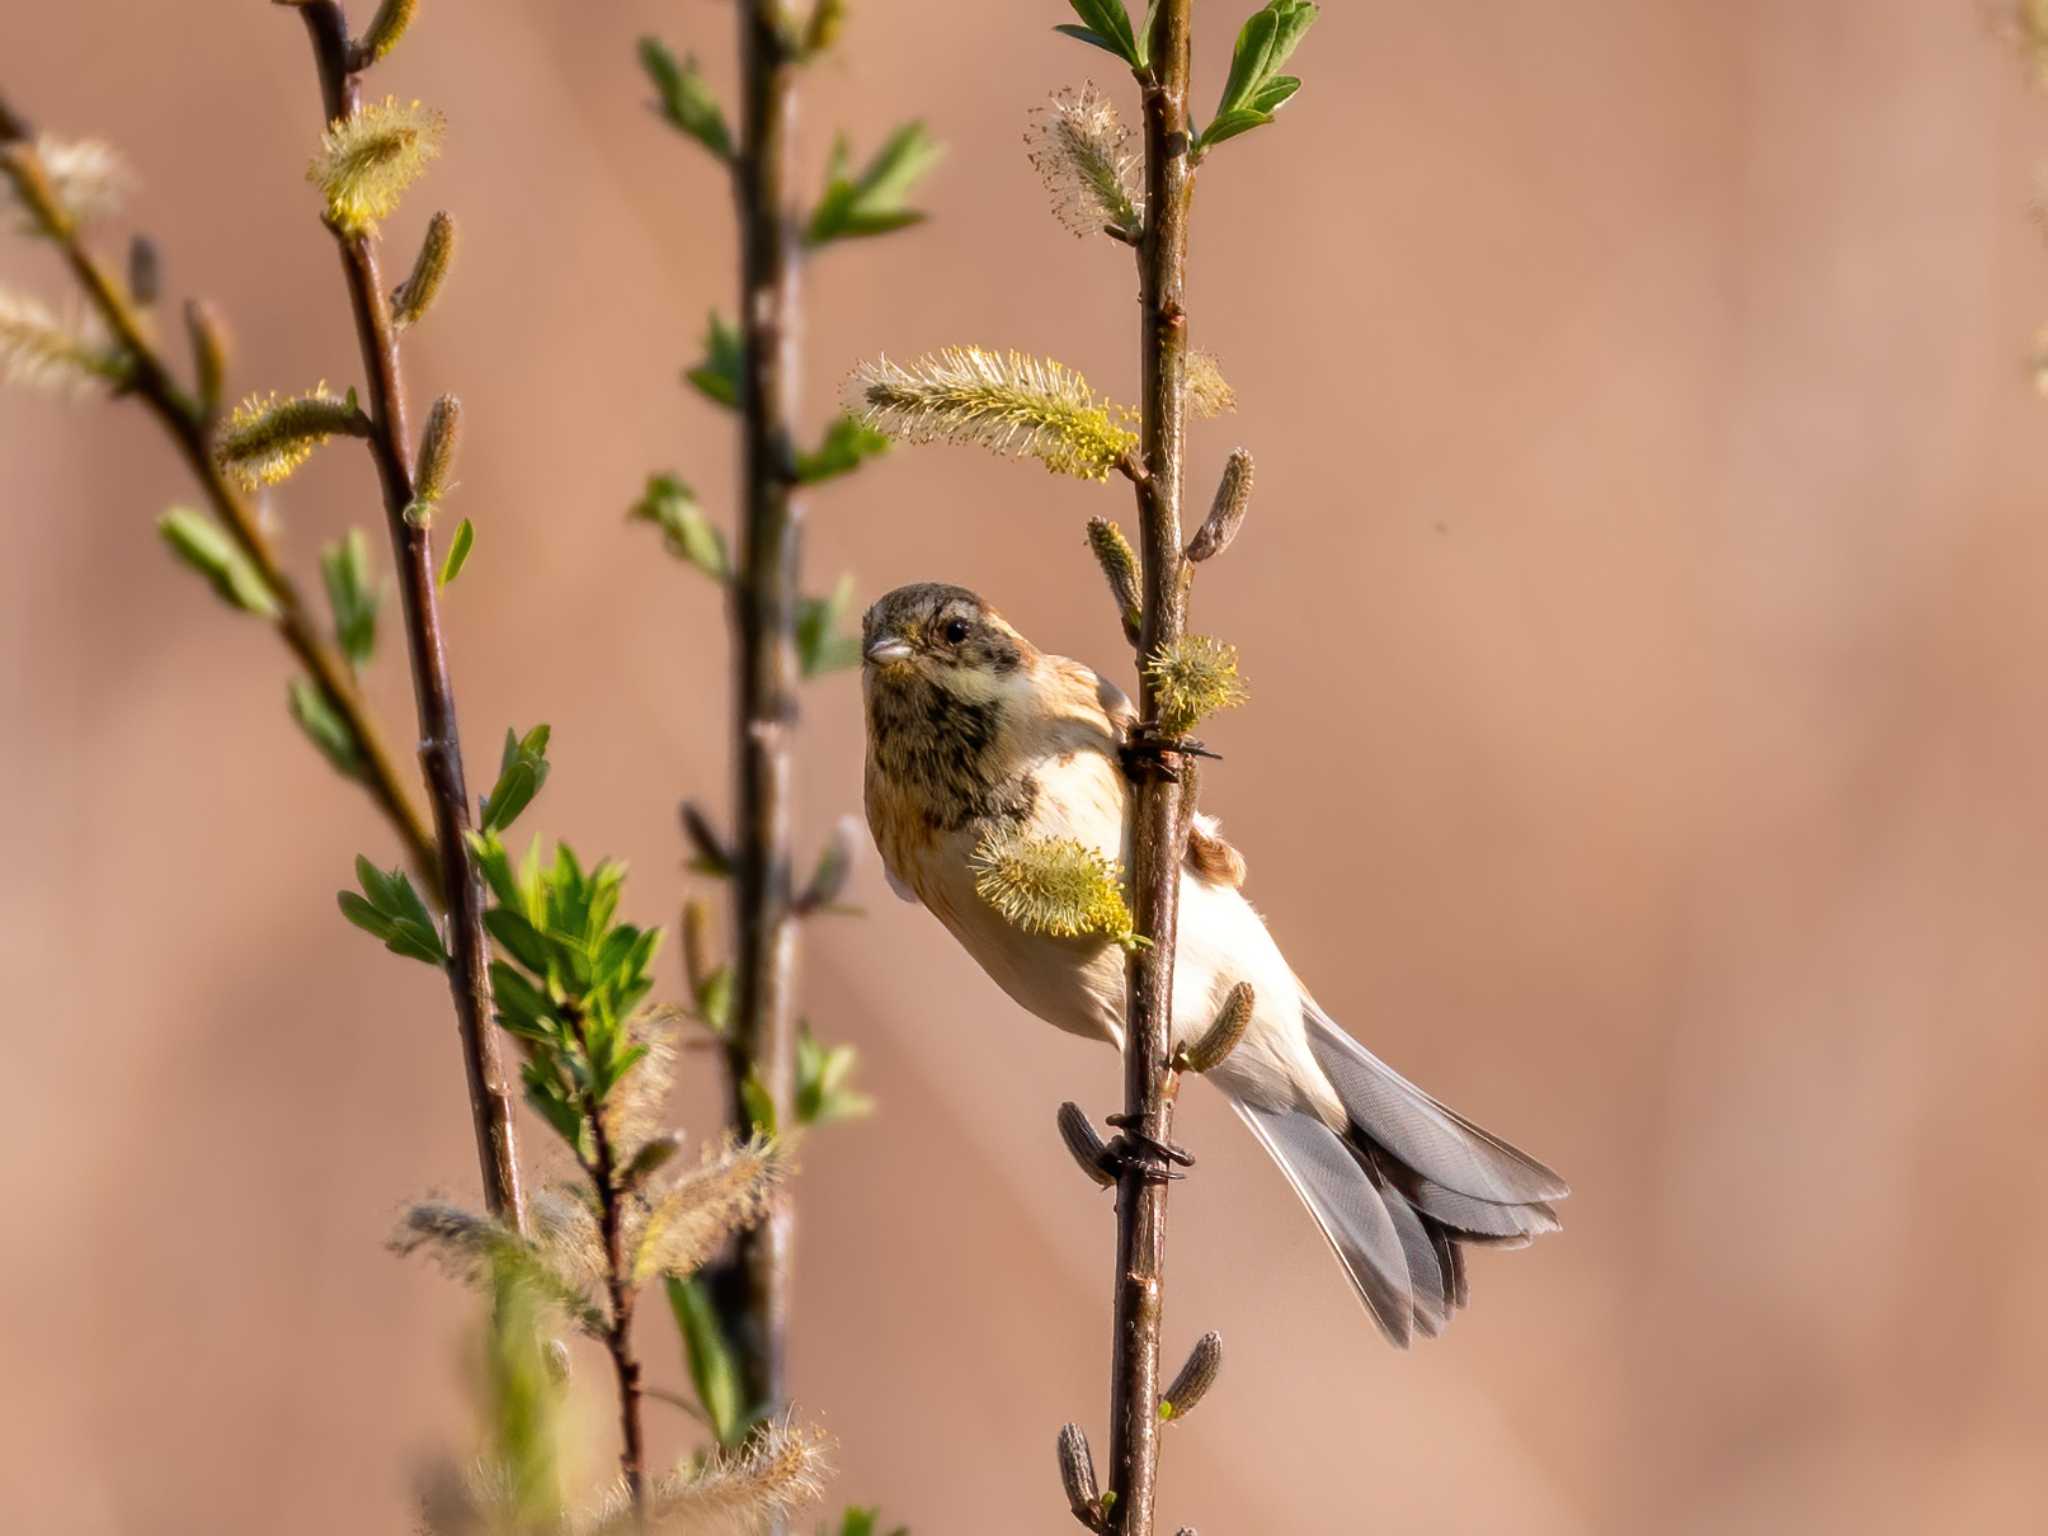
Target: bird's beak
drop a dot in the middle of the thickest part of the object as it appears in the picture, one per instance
(887, 649)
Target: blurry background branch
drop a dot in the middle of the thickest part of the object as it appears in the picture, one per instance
(779, 1077)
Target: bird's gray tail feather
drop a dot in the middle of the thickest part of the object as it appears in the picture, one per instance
(1405, 1187)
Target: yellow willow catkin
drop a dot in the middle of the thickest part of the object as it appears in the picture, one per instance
(1192, 679)
(1084, 157)
(1007, 402)
(368, 160)
(1053, 885)
(267, 437)
(40, 352)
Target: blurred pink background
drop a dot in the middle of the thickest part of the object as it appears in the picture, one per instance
(1647, 754)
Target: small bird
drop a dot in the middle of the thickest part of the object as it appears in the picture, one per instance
(974, 732)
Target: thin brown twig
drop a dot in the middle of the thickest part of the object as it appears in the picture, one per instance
(753, 1289)
(440, 741)
(189, 424)
(602, 1167)
(1158, 812)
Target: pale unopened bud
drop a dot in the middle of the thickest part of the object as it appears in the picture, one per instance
(436, 463)
(1084, 1145)
(1119, 564)
(1077, 1475)
(697, 961)
(209, 353)
(1195, 1378)
(144, 271)
(416, 294)
(1226, 513)
(1216, 1042)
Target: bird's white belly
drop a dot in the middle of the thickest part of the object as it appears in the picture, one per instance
(1079, 984)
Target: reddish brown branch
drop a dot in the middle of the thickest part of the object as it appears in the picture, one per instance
(1149, 1081)
(440, 741)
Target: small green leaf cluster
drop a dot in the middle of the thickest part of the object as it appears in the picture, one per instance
(522, 770)
(1255, 89)
(388, 908)
(875, 199)
(571, 981)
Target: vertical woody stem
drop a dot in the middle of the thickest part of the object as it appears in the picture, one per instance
(1158, 823)
(469, 976)
(753, 1289)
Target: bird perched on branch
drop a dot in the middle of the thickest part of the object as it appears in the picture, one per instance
(977, 741)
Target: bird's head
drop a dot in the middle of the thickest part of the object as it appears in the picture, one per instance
(935, 637)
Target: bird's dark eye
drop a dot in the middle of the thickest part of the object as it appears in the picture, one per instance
(957, 631)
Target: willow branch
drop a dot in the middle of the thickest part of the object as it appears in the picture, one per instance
(440, 742)
(603, 1169)
(189, 424)
(1158, 811)
(754, 1289)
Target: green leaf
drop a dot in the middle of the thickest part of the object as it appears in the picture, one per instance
(324, 727)
(673, 508)
(1107, 25)
(760, 1104)
(204, 545)
(872, 202)
(719, 378)
(847, 443)
(1255, 88)
(522, 770)
(686, 101)
(552, 1104)
(709, 1358)
(352, 596)
(714, 1000)
(518, 938)
(458, 551)
(391, 910)
(859, 1521)
(821, 645)
(822, 1076)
